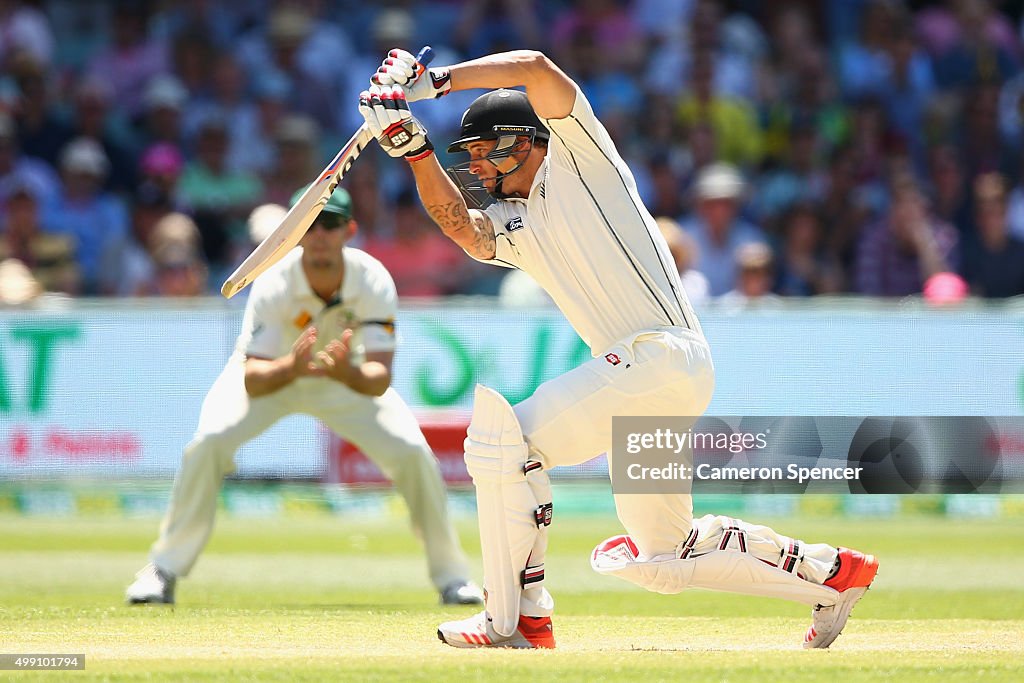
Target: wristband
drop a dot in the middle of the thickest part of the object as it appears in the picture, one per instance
(422, 153)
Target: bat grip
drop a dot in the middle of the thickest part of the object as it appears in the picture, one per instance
(424, 57)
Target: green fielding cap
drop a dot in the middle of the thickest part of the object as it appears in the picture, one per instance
(340, 202)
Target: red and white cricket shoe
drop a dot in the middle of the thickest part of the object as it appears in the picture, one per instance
(478, 631)
(856, 572)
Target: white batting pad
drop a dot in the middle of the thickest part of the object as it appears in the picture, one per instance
(731, 570)
(509, 513)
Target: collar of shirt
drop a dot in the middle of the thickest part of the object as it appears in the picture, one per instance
(538, 180)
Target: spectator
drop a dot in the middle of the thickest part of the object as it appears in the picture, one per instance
(96, 220)
(227, 99)
(944, 26)
(218, 198)
(138, 271)
(736, 132)
(17, 169)
(684, 254)
(739, 45)
(180, 270)
(1011, 111)
(41, 133)
(665, 197)
(994, 260)
(93, 119)
(898, 253)
(390, 28)
(162, 165)
(297, 157)
(608, 23)
(49, 258)
(163, 102)
(909, 87)
(814, 96)
(423, 262)
(259, 153)
(863, 64)
(793, 38)
(805, 269)
(703, 150)
(1015, 205)
(221, 21)
(888, 64)
(613, 95)
(756, 275)
(194, 64)
(946, 188)
(131, 61)
(717, 228)
(848, 205)
(492, 26)
(371, 214)
(870, 144)
(25, 30)
(985, 150)
(292, 44)
(800, 179)
(970, 42)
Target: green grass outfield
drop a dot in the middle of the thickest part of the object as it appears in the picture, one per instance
(321, 598)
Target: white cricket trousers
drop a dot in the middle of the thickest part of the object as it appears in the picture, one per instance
(568, 420)
(383, 428)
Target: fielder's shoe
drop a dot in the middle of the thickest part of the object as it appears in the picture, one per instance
(477, 631)
(853, 577)
(462, 593)
(152, 585)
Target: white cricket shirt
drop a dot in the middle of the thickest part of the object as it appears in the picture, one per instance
(585, 236)
(282, 304)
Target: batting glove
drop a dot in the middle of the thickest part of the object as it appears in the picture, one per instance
(387, 115)
(419, 83)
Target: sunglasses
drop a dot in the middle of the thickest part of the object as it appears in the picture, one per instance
(328, 222)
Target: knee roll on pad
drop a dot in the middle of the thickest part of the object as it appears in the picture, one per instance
(513, 506)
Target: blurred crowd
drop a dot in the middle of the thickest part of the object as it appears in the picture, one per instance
(790, 148)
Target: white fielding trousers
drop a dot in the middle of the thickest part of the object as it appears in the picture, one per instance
(383, 428)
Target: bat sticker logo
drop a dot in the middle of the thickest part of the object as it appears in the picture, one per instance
(332, 169)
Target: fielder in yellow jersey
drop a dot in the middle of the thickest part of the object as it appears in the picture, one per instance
(318, 338)
(565, 210)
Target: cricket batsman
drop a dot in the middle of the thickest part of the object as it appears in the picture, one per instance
(565, 210)
(318, 337)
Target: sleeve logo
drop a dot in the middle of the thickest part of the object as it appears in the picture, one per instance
(516, 223)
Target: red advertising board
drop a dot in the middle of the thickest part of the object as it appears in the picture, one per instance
(347, 465)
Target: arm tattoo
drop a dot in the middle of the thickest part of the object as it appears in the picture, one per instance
(484, 246)
(475, 233)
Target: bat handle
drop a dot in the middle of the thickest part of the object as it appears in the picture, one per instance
(424, 57)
